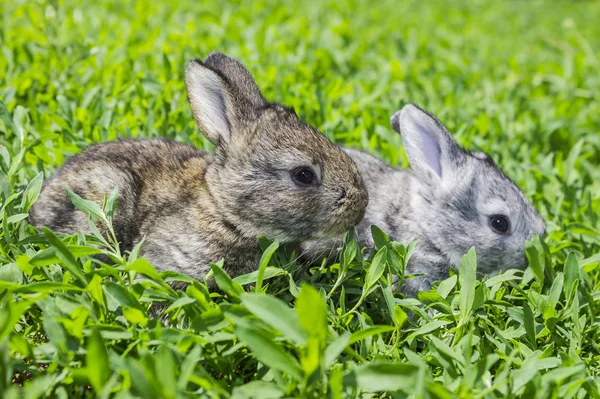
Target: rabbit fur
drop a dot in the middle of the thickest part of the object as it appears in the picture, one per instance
(192, 207)
(446, 202)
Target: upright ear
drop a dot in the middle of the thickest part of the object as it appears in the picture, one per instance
(431, 150)
(239, 78)
(211, 101)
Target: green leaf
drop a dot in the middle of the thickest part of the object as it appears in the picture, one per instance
(369, 332)
(533, 257)
(38, 388)
(188, 366)
(225, 282)
(95, 290)
(529, 323)
(21, 345)
(122, 295)
(507, 276)
(410, 249)
(10, 198)
(17, 218)
(427, 328)
(16, 163)
(336, 383)
(571, 272)
(335, 348)
(376, 269)
(400, 316)
(142, 266)
(377, 377)
(23, 264)
(111, 204)
(312, 312)
(447, 286)
(590, 263)
(46, 286)
(142, 386)
(11, 277)
(32, 192)
(467, 275)
(179, 303)
(7, 119)
(10, 314)
(252, 277)
(257, 390)
(311, 357)
(527, 371)
(264, 262)
(266, 351)
(20, 119)
(445, 350)
(351, 250)
(97, 362)
(556, 289)
(135, 316)
(379, 237)
(49, 257)
(165, 368)
(133, 255)
(276, 313)
(67, 259)
(90, 208)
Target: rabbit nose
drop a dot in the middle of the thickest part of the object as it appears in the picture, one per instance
(343, 194)
(351, 197)
(342, 198)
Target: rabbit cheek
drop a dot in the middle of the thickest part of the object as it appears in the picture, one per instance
(352, 213)
(340, 213)
(491, 256)
(289, 214)
(355, 205)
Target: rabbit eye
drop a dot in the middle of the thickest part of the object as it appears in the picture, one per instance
(303, 176)
(500, 224)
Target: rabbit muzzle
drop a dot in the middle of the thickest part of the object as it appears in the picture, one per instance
(352, 205)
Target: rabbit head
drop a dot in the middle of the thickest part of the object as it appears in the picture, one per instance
(273, 175)
(463, 199)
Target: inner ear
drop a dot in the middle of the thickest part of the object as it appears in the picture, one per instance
(210, 101)
(431, 150)
(429, 147)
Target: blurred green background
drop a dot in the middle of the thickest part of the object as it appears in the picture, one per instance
(517, 79)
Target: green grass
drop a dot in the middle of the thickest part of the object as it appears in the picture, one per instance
(520, 80)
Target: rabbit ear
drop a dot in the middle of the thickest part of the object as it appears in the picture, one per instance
(239, 78)
(211, 101)
(431, 150)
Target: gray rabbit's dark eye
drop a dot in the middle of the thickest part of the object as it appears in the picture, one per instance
(500, 224)
(303, 176)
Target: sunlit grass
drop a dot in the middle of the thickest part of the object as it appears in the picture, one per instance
(520, 80)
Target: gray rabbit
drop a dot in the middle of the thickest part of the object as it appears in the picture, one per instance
(452, 200)
(271, 175)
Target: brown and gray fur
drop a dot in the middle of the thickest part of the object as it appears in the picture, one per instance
(445, 202)
(193, 207)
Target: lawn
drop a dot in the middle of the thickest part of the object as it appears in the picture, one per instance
(519, 80)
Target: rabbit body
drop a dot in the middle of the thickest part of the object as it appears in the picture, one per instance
(271, 175)
(163, 198)
(450, 201)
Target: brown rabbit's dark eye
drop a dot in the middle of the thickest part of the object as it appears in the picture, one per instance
(303, 176)
(500, 224)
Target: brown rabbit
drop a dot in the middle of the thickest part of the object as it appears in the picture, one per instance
(271, 175)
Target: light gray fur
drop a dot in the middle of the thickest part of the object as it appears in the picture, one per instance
(445, 202)
(193, 207)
